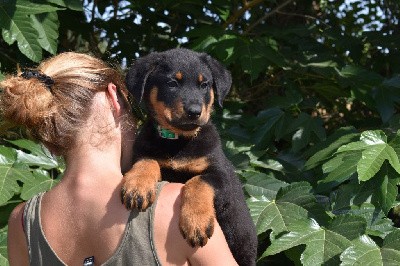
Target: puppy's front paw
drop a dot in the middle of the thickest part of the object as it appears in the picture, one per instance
(197, 212)
(139, 184)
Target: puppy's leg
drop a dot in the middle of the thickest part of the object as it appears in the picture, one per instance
(197, 212)
(139, 184)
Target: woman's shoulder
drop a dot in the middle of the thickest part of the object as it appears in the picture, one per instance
(17, 248)
(15, 221)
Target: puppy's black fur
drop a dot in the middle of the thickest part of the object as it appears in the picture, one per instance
(178, 88)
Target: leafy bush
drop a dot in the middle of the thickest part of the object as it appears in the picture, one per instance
(311, 124)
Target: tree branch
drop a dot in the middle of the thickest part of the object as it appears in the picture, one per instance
(267, 15)
(239, 13)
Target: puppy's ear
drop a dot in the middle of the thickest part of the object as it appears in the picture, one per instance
(222, 77)
(137, 75)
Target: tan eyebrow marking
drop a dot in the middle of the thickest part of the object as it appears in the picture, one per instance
(179, 75)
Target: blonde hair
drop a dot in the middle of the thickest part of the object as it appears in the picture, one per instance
(53, 114)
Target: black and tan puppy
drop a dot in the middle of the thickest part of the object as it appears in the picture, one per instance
(179, 143)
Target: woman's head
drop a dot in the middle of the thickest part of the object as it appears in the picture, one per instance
(55, 100)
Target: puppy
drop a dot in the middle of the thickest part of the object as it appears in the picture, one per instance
(179, 143)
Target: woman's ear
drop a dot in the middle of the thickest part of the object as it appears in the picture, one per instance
(113, 95)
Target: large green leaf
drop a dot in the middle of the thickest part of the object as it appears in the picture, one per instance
(267, 121)
(260, 185)
(293, 205)
(364, 251)
(47, 27)
(386, 191)
(323, 246)
(17, 25)
(373, 158)
(306, 127)
(374, 151)
(377, 223)
(278, 217)
(38, 156)
(40, 182)
(349, 226)
(339, 169)
(9, 174)
(327, 151)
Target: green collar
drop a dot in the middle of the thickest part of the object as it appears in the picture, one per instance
(166, 133)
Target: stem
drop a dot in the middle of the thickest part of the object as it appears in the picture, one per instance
(267, 15)
(239, 13)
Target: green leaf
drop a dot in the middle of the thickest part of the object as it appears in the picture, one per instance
(301, 194)
(349, 226)
(40, 182)
(3, 247)
(306, 127)
(38, 155)
(323, 246)
(267, 120)
(17, 25)
(373, 158)
(277, 216)
(375, 150)
(294, 204)
(255, 55)
(260, 185)
(47, 27)
(9, 174)
(339, 169)
(377, 222)
(364, 251)
(357, 77)
(325, 153)
(386, 190)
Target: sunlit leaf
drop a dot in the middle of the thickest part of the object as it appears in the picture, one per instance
(322, 246)
(9, 174)
(47, 27)
(40, 182)
(17, 25)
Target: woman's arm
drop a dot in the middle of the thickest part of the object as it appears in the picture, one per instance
(16, 241)
(172, 248)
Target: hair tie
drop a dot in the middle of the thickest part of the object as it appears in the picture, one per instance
(46, 80)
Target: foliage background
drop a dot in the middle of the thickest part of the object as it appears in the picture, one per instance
(311, 123)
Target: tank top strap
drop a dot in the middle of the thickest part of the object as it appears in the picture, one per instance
(137, 247)
(38, 248)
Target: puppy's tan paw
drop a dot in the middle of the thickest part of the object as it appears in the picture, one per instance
(139, 184)
(196, 222)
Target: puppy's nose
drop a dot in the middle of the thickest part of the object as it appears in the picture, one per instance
(193, 111)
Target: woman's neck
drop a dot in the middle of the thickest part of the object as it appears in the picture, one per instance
(93, 166)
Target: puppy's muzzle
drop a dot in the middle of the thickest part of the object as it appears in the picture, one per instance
(193, 111)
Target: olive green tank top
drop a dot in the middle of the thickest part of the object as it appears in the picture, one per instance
(136, 248)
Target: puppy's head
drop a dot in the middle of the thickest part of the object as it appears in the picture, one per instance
(178, 87)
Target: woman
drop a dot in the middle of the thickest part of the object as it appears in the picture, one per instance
(76, 106)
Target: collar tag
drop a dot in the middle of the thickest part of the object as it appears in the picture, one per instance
(166, 134)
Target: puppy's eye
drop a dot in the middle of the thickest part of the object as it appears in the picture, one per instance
(172, 84)
(204, 85)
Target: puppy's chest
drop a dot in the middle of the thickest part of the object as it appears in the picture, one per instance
(182, 164)
(182, 169)
(185, 164)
